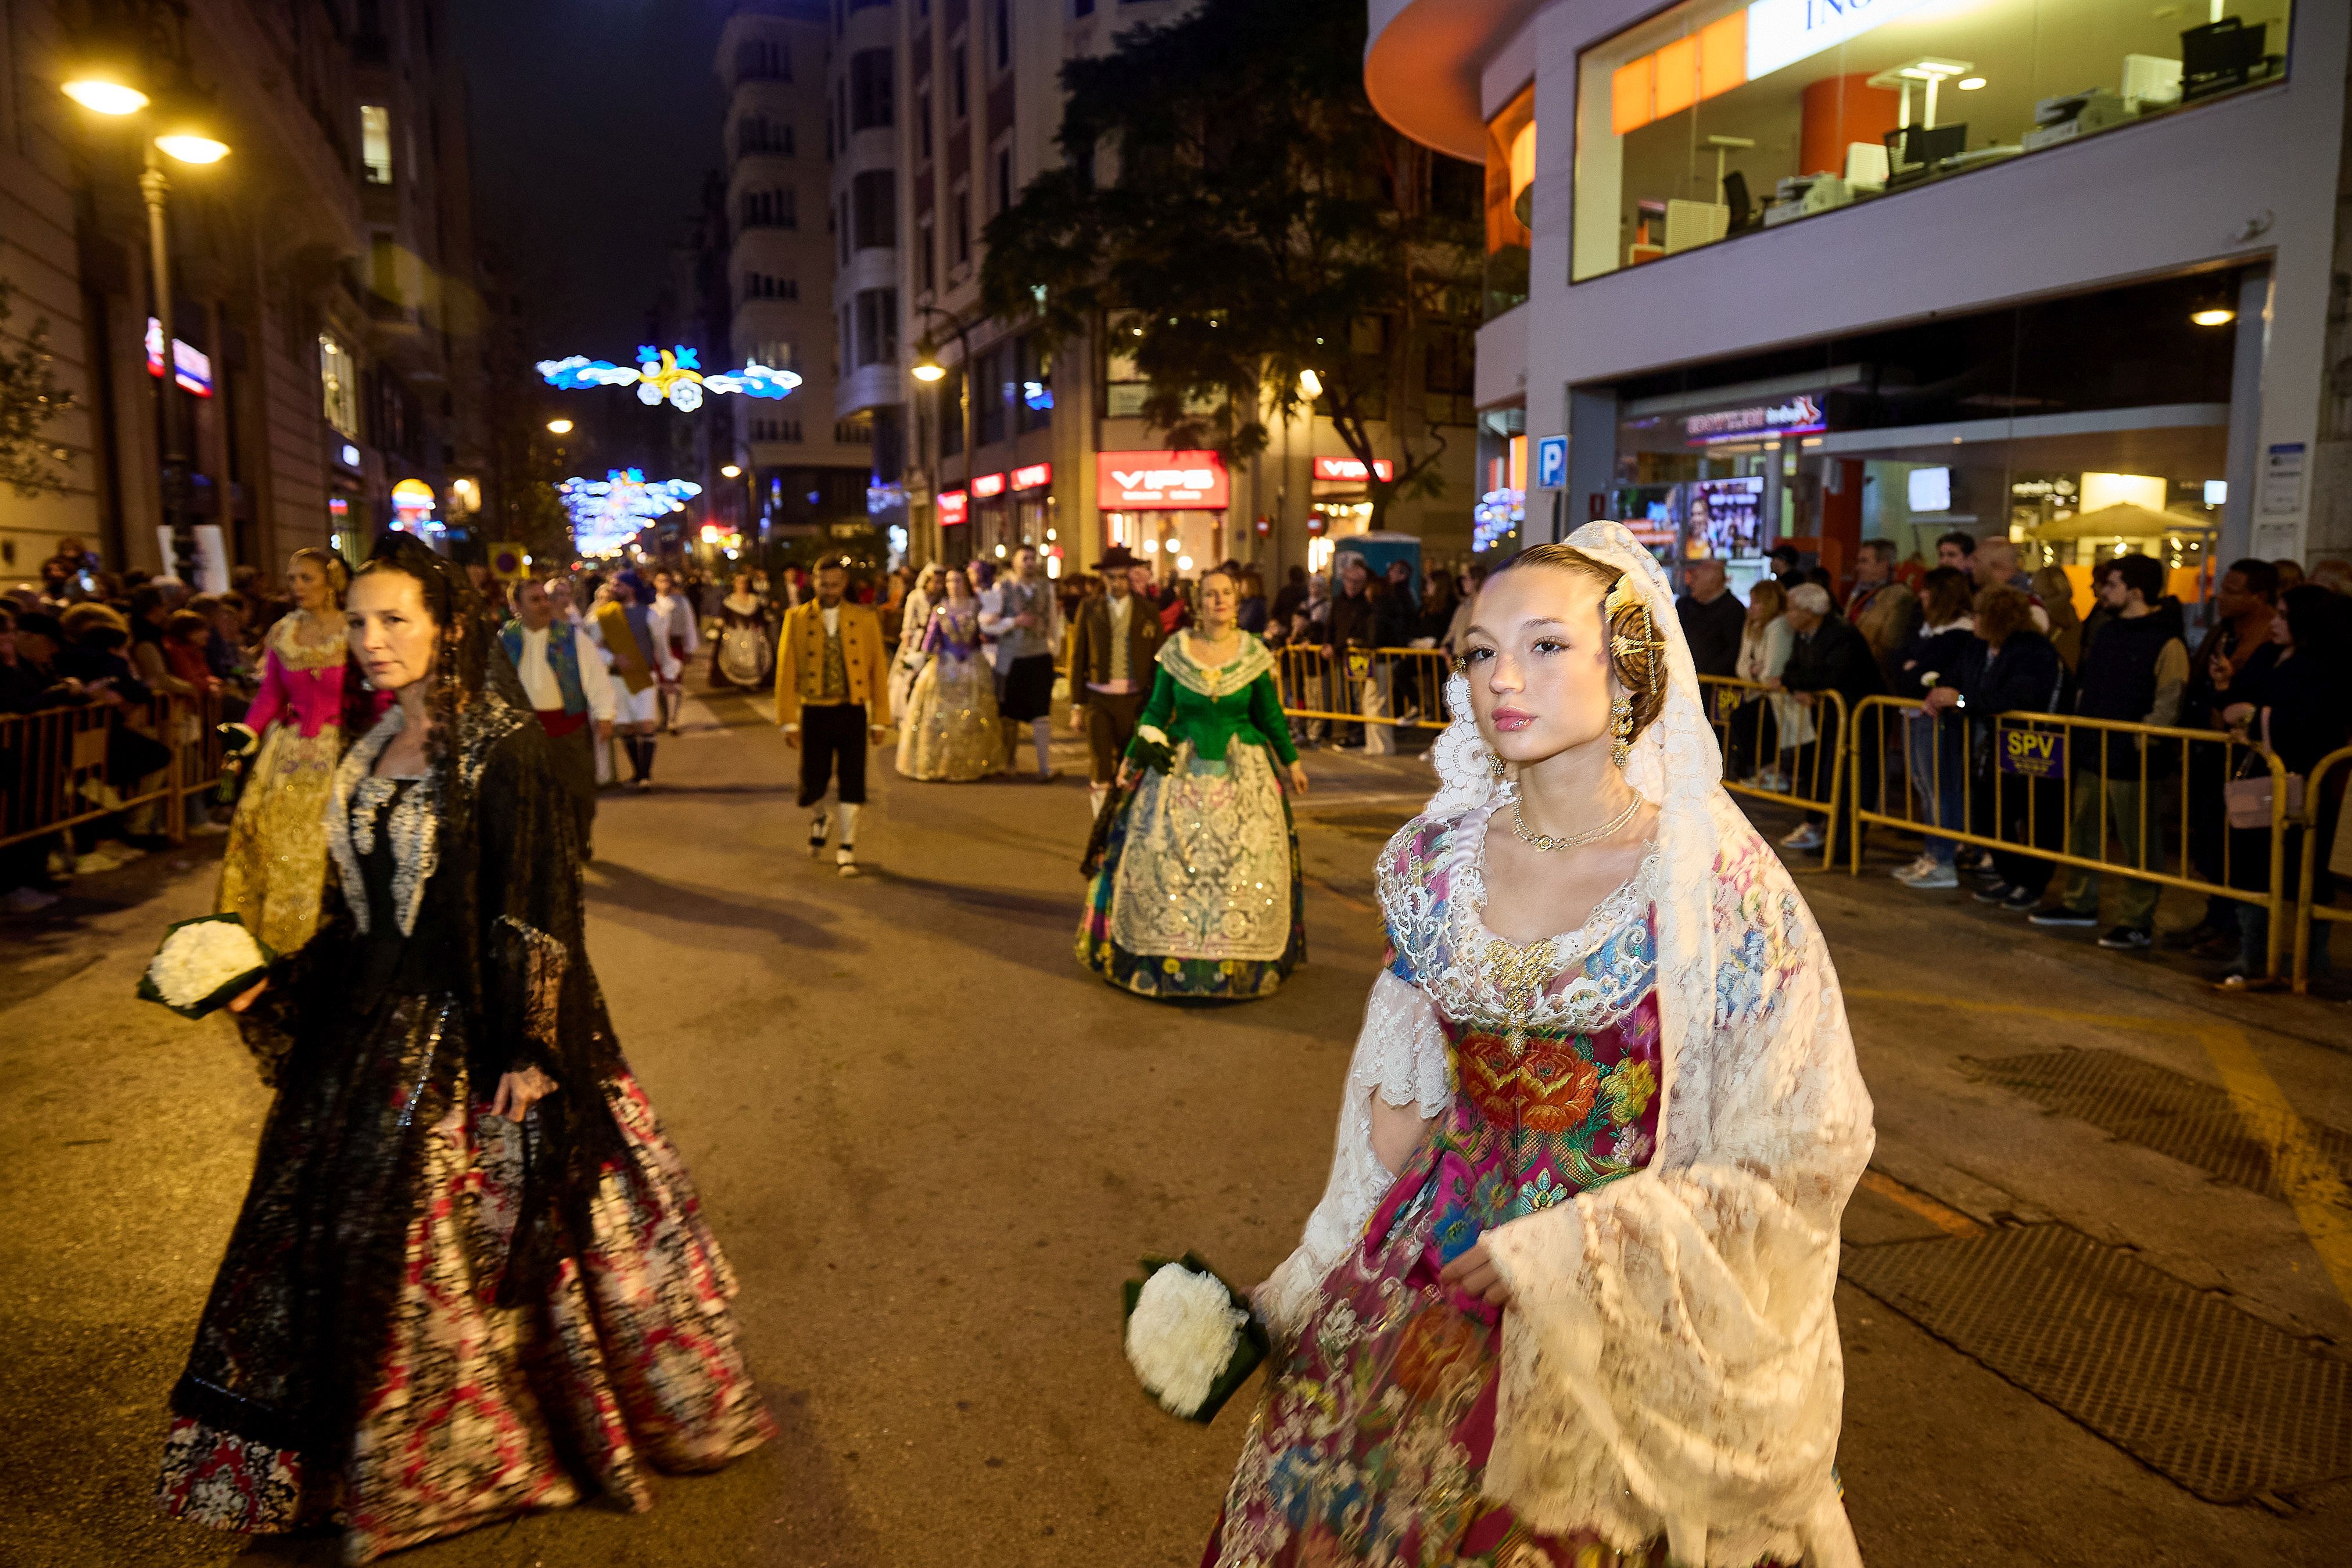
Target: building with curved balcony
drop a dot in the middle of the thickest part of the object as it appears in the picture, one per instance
(1781, 270)
(869, 211)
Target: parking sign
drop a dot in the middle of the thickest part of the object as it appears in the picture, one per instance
(1552, 462)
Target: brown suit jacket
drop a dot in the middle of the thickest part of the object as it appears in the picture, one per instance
(1090, 644)
(800, 661)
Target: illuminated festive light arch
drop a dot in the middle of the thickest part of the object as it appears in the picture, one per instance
(666, 375)
(607, 513)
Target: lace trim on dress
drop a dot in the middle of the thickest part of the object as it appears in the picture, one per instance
(353, 801)
(297, 651)
(1216, 680)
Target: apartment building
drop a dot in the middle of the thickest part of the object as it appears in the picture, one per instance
(326, 314)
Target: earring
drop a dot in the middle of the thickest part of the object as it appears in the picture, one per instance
(1494, 769)
(1620, 730)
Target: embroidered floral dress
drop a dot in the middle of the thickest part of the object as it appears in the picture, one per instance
(1195, 894)
(741, 654)
(951, 732)
(429, 1317)
(276, 858)
(1373, 1434)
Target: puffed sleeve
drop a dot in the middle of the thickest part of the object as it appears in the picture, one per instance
(1400, 1056)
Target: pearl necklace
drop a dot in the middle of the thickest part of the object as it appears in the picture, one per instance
(1574, 841)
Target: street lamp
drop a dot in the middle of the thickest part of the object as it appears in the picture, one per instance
(926, 366)
(927, 369)
(105, 81)
(558, 426)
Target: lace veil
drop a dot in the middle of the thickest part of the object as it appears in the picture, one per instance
(1670, 1362)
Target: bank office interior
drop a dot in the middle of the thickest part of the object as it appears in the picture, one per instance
(1718, 118)
(2076, 427)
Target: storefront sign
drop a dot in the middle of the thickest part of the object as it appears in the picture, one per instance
(192, 367)
(1034, 476)
(987, 486)
(1798, 416)
(1783, 32)
(1351, 469)
(953, 506)
(1146, 481)
(2032, 753)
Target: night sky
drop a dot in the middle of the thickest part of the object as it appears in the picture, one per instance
(594, 123)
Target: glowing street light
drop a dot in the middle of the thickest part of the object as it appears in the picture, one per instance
(1311, 385)
(104, 94)
(733, 470)
(558, 426)
(926, 366)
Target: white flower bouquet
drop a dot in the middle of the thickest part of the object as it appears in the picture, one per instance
(204, 964)
(1190, 1337)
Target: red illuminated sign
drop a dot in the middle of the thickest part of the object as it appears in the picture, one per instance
(987, 486)
(952, 507)
(1163, 481)
(1033, 475)
(1352, 468)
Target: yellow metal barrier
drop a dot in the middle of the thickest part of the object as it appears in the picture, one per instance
(54, 764)
(2308, 906)
(1365, 685)
(1753, 724)
(2037, 750)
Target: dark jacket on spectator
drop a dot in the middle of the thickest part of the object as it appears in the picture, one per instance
(1941, 656)
(1832, 658)
(1349, 623)
(1713, 632)
(2309, 706)
(2122, 678)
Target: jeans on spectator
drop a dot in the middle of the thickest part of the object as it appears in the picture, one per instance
(2094, 811)
(1932, 748)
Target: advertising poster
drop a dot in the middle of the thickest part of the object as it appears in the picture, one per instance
(1727, 517)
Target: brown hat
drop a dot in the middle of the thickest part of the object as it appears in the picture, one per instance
(1116, 559)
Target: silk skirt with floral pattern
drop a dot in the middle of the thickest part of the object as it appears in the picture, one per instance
(275, 863)
(353, 1365)
(950, 732)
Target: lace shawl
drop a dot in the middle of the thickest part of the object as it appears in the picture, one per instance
(1670, 1364)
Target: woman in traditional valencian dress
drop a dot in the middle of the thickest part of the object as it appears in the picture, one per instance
(951, 732)
(471, 1277)
(914, 622)
(741, 654)
(275, 860)
(1195, 894)
(1567, 1301)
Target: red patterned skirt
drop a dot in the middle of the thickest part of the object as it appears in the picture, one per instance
(353, 1366)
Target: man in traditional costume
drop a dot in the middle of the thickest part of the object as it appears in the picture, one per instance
(672, 622)
(563, 674)
(1026, 624)
(833, 701)
(623, 629)
(1114, 648)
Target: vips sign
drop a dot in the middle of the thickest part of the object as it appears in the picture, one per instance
(2032, 753)
(1162, 481)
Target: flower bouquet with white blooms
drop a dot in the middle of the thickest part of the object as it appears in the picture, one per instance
(204, 964)
(1190, 1337)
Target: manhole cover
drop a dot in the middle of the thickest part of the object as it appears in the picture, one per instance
(2168, 1112)
(2219, 1401)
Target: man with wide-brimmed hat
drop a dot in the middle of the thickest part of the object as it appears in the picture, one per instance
(1114, 648)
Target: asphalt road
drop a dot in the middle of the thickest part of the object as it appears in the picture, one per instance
(934, 1146)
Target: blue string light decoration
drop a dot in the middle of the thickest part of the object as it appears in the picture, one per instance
(609, 512)
(671, 375)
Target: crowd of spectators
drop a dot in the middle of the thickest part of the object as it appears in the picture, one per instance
(2267, 669)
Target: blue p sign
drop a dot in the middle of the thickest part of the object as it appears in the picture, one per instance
(1552, 462)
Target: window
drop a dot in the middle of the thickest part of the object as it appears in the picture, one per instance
(339, 379)
(927, 266)
(923, 125)
(989, 387)
(375, 142)
(958, 84)
(841, 226)
(874, 209)
(384, 268)
(1715, 118)
(877, 326)
(787, 430)
(870, 90)
(763, 59)
(764, 285)
(959, 225)
(776, 209)
(999, 179)
(1000, 17)
(841, 116)
(758, 133)
(777, 355)
(857, 430)
(1033, 395)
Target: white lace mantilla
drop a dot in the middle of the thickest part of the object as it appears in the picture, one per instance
(353, 801)
(1670, 1361)
(1216, 680)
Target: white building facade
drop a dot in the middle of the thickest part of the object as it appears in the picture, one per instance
(1775, 271)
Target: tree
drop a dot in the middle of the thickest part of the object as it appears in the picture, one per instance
(1263, 221)
(30, 398)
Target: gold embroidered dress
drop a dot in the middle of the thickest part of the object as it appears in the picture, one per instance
(951, 732)
(276, 861)
(1198, 895)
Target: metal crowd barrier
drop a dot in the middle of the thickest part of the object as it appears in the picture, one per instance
(1752, 722)
(2308, 906)
(2031, 808)
(1364, 685)
(53, 773)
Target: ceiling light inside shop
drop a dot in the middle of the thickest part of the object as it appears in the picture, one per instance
(1970, 84)
(2213, 316)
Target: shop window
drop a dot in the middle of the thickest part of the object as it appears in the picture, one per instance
(1510, 193)
(339, 379)
(1125, 386)
(375, 142)
(1716, 119)
(874, 209)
